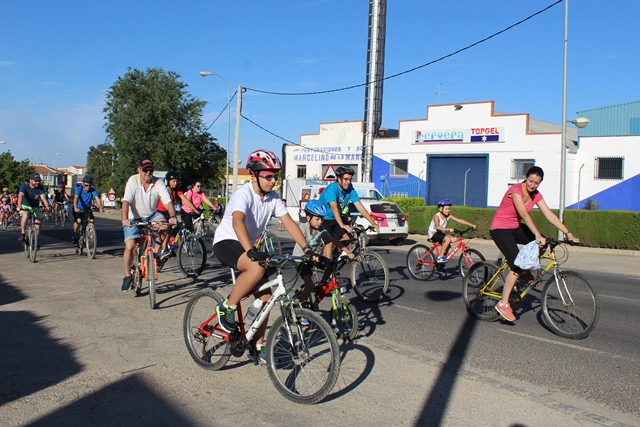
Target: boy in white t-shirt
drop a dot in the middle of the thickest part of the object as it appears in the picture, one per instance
(438, 227)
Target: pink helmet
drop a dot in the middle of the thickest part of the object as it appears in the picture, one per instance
(263, 159)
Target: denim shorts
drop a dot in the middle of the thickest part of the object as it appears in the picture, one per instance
(133, 231)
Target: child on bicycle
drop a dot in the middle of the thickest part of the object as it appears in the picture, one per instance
(438, 227)
(316, 236)
(248, 212)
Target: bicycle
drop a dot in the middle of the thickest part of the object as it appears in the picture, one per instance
(60, 215)
(422, 260)
(303, 360)
(191, 253)
(145, 264)
(30, 242)
(86, 235)
(204, 228)
(4, 219)
(344, 316)
(570, 306)
(269, 242)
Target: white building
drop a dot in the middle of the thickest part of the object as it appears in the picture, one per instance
(470, 154)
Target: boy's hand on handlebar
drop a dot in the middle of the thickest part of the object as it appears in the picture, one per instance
(256, 255)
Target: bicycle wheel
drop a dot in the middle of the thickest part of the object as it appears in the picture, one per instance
(369, 276)
(206, 347)
(467, 259)
(33, 244)
(421, 262)
(303, 361)
(4, 223)
(344, 320)
(192, 255)
(25, 243)
(272, 244)
(61, 217)
(151, 278)
(570, 306)
(208, 233)
(475, 288)
(136, 274)
(91, 239)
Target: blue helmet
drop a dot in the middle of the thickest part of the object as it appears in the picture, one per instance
(316, 208)
(444, 202)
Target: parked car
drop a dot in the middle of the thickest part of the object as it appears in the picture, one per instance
(391, 220)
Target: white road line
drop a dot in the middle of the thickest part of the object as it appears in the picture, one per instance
(412, 309)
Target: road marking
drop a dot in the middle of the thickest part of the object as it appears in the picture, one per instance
(615, 297)
(412, 309)
(577, 347)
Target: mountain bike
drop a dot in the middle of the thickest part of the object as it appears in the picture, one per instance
(60, 214)
(570, 306)
(344, 316)
(191, 253)
(86, 235)
(144, 264)
(4, 219)
(204, 228)
(422, 260)
(303, 360)
(269, 242)
(30, 242)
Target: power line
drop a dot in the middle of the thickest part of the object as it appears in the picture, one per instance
(223, 110)
(414, 68)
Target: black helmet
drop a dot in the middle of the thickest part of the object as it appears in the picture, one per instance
(341, 170)
(88, 179)
(172, 175)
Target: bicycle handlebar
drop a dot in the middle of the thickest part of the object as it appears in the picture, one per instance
(461, 232)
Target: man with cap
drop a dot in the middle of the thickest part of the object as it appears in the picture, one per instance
(141, 195)
(29, 197)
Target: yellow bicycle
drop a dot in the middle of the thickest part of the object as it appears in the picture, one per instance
(569, 302)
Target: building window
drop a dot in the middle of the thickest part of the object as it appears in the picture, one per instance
(301, 171)
(609, 167)
(519, 168)
(399, 167)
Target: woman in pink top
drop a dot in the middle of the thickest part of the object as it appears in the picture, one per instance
(507, 229)
(196, 196)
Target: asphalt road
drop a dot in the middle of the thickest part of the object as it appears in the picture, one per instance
(76, 350)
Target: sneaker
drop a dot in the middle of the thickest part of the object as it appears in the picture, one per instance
(505, 311)
(262, 355)
(304, 321)
(126, 284)
(442, 259)
(226, 317)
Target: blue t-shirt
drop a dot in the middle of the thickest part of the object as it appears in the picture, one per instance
(333, 193)
(31, 195)
(85, 197)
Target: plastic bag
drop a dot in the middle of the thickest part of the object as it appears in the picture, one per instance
(528, 257)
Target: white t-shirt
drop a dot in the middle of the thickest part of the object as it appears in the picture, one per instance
(142, 204)
(432, 225)
(258, 213)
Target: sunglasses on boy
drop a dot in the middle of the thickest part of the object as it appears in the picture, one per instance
(269, 177)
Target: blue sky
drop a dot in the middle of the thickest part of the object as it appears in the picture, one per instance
(58, 59)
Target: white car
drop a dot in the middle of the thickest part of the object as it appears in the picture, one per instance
(392, 222)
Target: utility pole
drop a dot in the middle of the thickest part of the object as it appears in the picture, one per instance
(236, 142)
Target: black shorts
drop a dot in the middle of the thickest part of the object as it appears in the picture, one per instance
(438, 237)
(332, 226)
(229, 252)
(508, 239)
(77, 215)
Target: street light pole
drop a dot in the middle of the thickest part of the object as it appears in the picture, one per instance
(226, 169)
(236, 142)
(563, 147)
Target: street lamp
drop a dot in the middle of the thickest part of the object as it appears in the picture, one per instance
(226, 169)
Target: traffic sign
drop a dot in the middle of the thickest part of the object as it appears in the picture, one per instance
(111, 195)
(329, 173)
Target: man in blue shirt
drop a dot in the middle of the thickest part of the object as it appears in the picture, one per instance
(337, 196)
(82, 199)
(29, 197)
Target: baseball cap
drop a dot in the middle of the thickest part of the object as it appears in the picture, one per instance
(146, 163)
(35, 177)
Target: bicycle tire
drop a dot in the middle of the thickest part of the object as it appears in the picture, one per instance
(303, 361)
(5, 223)
(369, 276)
(577, 318)
(192, 255)
(25, 243)
(210, 352)
(468, 257)
(481, 306)
(91, 240)
(136, 273)
(62, 217)
(33, 244)
(272, 244)
(420, 265)
(346, 321)
(151, 278)
(208, 233)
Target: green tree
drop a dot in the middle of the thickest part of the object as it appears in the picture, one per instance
(100, 165)
(12, 172)
(150, 113)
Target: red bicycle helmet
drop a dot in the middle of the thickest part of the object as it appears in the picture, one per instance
(263, 160)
